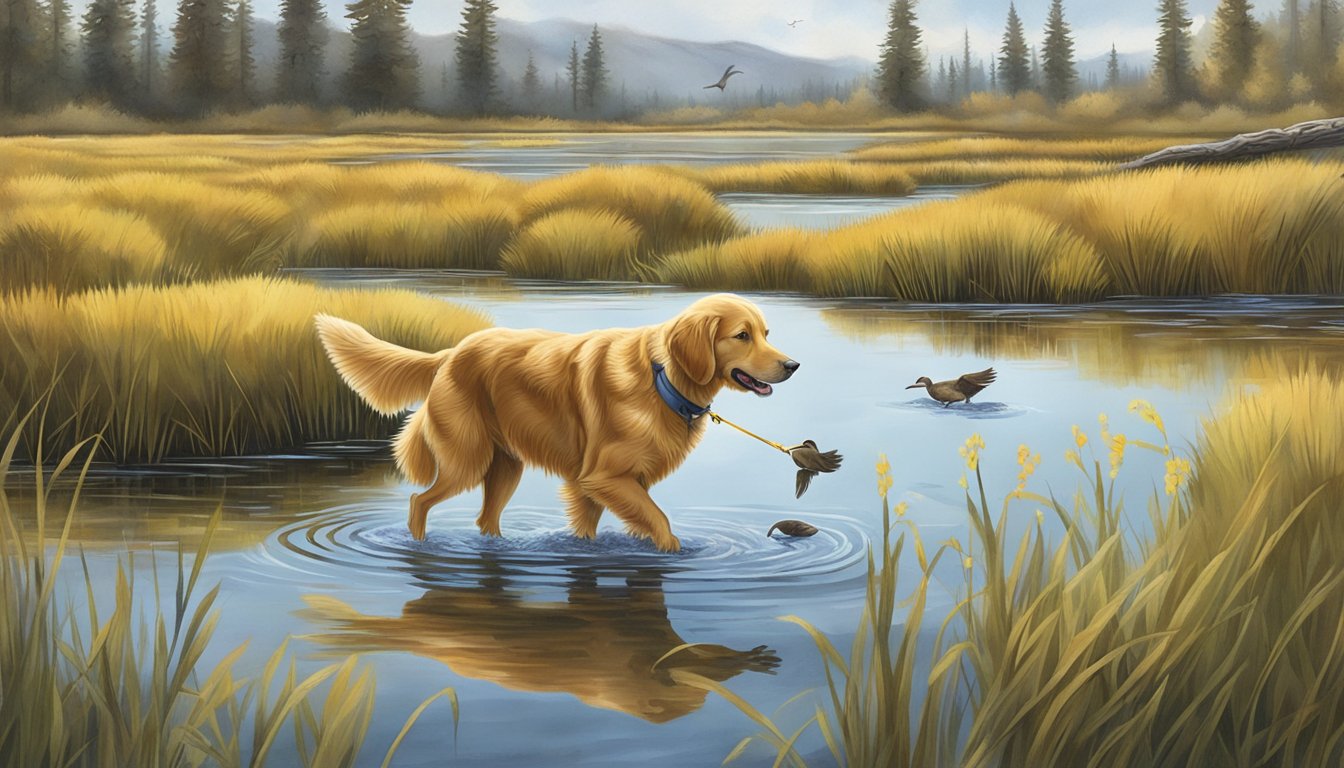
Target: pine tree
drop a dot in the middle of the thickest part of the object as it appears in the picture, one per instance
(245, 64)
(966, 61)
(384, 71)
(901, 63)
(149, 47)
(594, 72)
(58, 12)
(20, 53)
(953, 81)
(993, 75)
(109, 63)
(940, 80)
(198, 62)
(1292, 19)
(1173, 67)
(531, 80)
(1236, 35)
(477, 70)
(1112, 70)
(1060, 72)
(303, 36)
(1322, 40)
(1014, 67)
(572, 70)
(1035, 70)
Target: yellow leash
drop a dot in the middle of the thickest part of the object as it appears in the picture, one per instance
(717, 419)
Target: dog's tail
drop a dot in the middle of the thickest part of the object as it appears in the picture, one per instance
(389, 378)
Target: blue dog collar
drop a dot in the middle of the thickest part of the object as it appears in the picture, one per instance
(674, 399)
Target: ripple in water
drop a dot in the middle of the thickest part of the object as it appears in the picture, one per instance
(723, 550)
(972, 410)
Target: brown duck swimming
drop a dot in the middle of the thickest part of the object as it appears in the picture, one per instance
(958, 390)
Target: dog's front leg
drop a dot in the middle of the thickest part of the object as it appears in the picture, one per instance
(630, 501)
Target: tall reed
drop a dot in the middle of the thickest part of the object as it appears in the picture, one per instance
(127, 686)
(1215, 639)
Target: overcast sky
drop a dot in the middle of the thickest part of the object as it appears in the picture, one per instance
(829, 28)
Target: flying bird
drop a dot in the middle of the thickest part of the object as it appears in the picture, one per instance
(723, 81)
(961, 389)
(796, 22)
(811, 461)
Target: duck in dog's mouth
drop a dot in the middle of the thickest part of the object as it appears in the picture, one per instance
(751, 383)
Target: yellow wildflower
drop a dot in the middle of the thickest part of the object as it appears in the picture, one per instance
(884, 481)
(1079, 436)
(971, 451)
(901, 509)
(1028, 463)
(1118, 443)
(1178, 470)
(1071, 456)
(968, 562)
(962, 482)
(1149, 414)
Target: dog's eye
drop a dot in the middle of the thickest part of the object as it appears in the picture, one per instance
(743, 336)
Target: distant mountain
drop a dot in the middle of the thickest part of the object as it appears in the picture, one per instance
(642, 63)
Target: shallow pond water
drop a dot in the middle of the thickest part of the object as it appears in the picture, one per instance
(553, 644)
(556, 156)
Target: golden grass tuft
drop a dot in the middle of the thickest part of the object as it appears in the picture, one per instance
(673, 213)
(68, 248)
(774, 260)
(577, 245)
(212, 368)
(454, 233)
(836, 177)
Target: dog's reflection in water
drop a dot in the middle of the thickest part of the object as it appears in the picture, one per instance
(602, 643)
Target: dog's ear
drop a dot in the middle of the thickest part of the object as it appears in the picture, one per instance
(691, 345)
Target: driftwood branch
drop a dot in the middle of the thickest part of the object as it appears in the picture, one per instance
(1313, 134)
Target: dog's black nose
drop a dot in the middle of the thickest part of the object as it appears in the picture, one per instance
(791, 366)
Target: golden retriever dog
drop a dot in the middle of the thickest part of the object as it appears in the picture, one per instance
(611, 411)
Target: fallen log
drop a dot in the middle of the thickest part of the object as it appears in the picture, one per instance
(1313, 134)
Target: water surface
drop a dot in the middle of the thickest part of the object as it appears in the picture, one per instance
(552, 643)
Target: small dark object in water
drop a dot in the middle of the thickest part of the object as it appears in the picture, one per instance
(793, 528)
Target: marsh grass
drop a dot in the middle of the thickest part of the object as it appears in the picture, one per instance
(577, 245)
(835, 177)
(128, 686)
(1271, 227)
(218, 368)
(1214, 639)
(672, 213)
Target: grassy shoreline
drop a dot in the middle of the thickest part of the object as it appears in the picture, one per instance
(211, 368)
(1212, 640)
(86, 215)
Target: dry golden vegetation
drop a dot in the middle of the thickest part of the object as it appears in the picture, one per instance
(85, 213)
(576, 245)
(809, 177)
(1212, 639)
(125, 683)
(209, 368)
(1271, 227)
